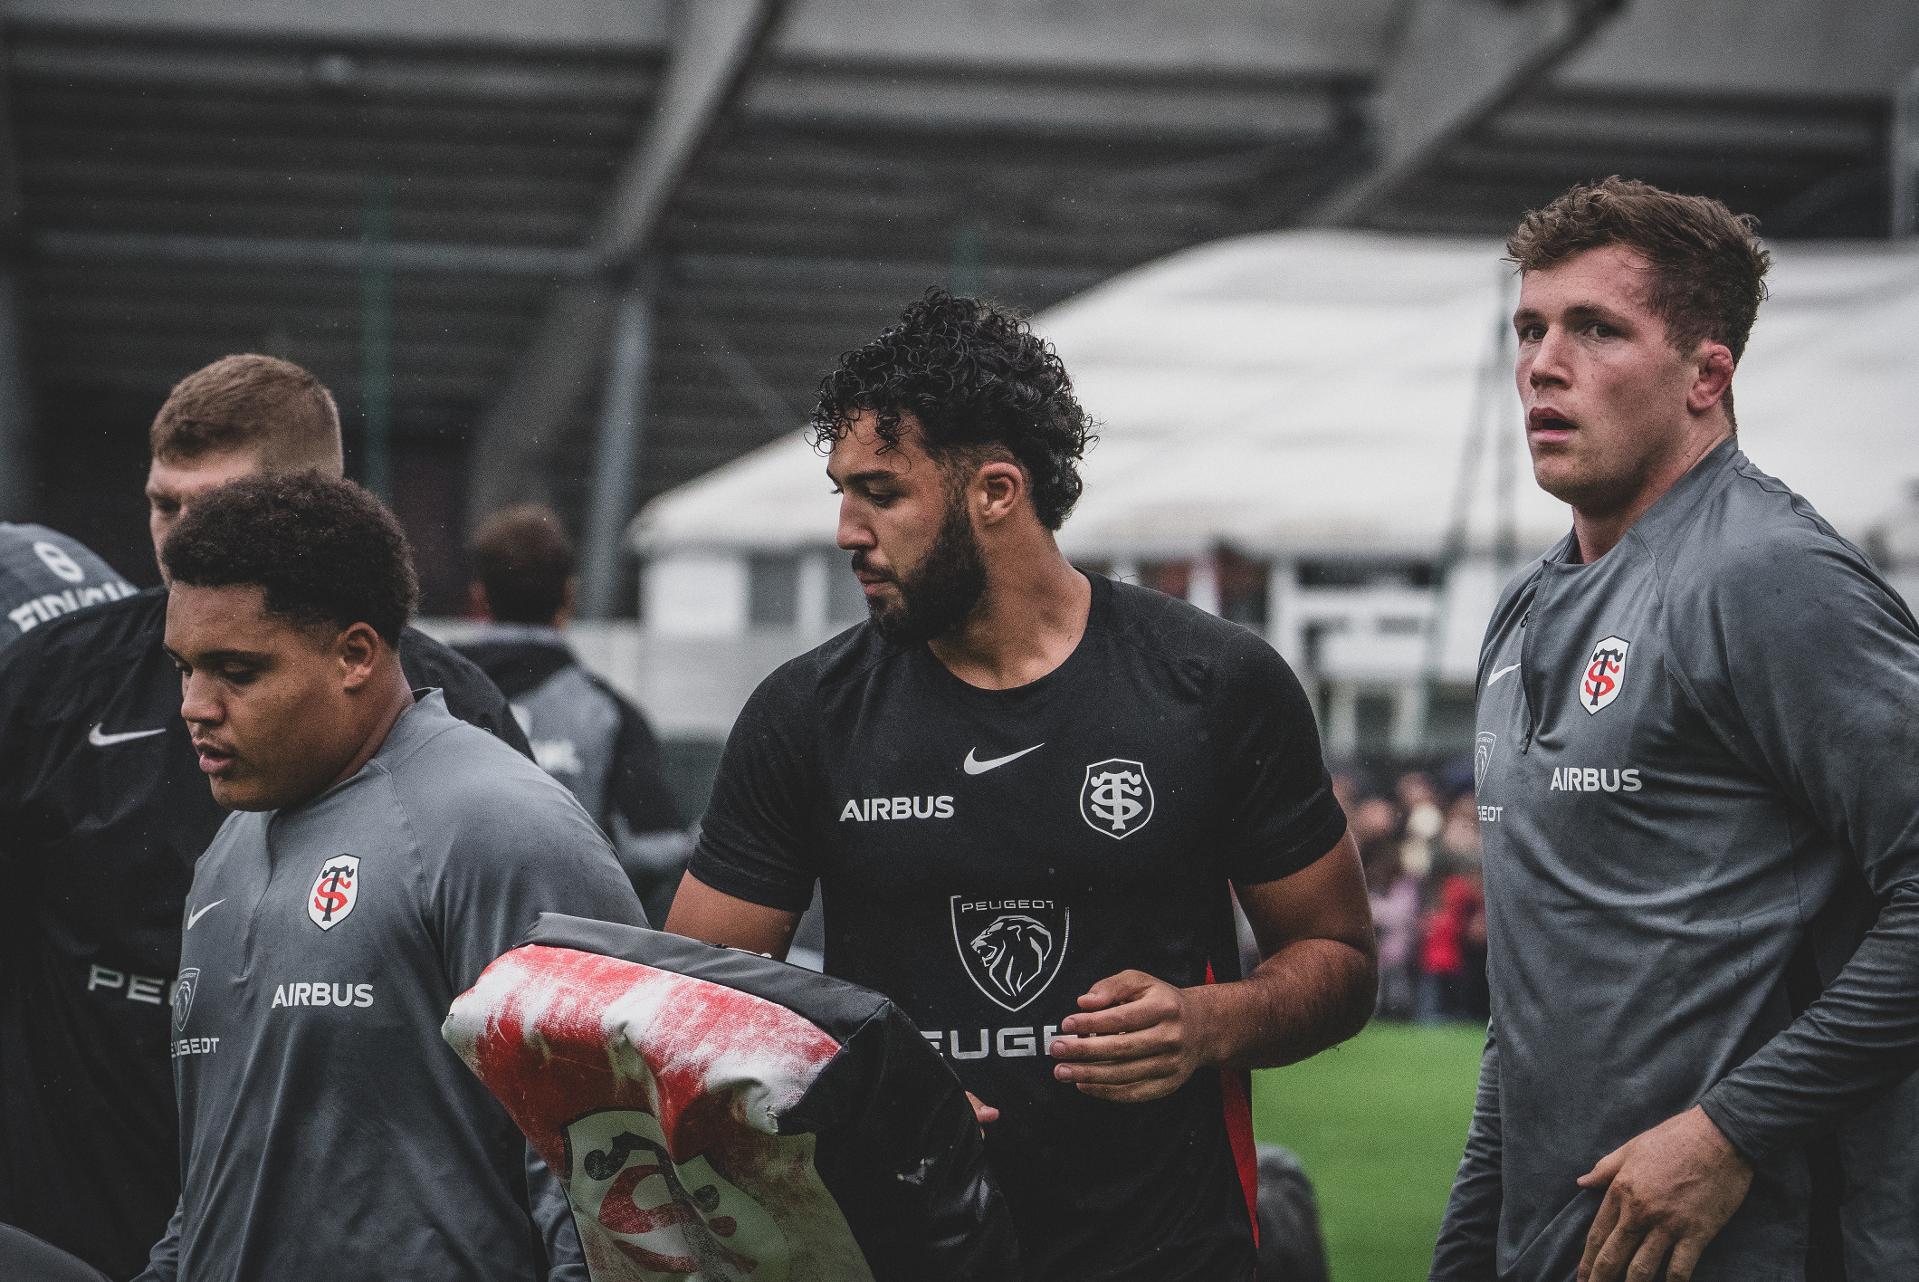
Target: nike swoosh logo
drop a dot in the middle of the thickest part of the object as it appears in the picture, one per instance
(99, 738)
(196, 916)
(1490, 681)
(973, 766)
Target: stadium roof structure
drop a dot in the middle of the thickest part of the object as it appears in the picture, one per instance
(1325, 395)
(588, 250)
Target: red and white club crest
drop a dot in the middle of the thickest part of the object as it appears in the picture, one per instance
(334, 891)
(1604, 674)
(667, 1217)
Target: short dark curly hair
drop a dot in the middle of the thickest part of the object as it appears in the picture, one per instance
(978, 382)
(325, 551)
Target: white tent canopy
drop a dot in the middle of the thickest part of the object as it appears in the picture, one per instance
(1316, 393)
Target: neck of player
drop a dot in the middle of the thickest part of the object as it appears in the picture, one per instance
(1599, 532)
(1028, 621)
(386, 699)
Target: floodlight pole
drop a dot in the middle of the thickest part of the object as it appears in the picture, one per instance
(1905, 157)
(616, 459)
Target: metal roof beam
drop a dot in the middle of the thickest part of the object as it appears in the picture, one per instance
(1455, 63)
(714, 45)
(562, 79)
(289, 253)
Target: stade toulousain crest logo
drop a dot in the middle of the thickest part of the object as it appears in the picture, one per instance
(1604, 674)
(1117, 797)
(335, 891)
(673, 1218)
(1011, 949)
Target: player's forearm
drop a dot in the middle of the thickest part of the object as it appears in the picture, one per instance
(1311, 994)
(1860, 1037)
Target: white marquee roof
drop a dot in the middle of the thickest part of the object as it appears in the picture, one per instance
(1315, 393)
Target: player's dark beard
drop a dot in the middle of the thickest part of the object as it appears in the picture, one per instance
(936, 598)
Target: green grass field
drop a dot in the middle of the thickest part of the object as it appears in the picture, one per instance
(1378, 1123)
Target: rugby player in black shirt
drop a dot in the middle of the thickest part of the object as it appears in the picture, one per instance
(102, 815)
(1024, 792)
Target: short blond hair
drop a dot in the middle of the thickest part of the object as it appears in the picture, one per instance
(251, 402)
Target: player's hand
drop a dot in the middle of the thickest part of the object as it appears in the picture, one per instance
(982, 1111)
(1135, 1039)
(1668, 1193)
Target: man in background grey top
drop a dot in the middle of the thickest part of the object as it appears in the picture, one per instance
(1698, 723)
(382, 855)
(583, 732)
(44, 574)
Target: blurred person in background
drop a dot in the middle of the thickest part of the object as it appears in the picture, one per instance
(103, 812)
(381, 853)
(44, 574)
(583, 732)
(1394, 893)
(1024, 792)
(1698, 715)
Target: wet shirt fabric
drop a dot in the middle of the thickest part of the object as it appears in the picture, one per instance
(103, 811)
(1695, 765)
(985, 857)
(323, 944)
(720, 1114)
(44, 574)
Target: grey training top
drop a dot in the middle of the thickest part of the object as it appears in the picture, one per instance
(44, 574)
(327, 1132)
(1696, 771)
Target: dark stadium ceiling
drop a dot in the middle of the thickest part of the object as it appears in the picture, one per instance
(437, 207)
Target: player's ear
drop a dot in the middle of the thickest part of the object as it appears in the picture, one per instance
(357, 649)
(1712, 375)
(998, 487)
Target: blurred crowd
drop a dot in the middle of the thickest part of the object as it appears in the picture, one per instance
(1418, 836)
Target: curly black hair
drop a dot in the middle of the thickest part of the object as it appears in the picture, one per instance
(978, 381)
(325, 551)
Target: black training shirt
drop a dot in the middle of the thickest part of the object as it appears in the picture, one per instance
(986, 856)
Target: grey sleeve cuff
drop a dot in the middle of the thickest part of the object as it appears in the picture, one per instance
(1859, 1038)
(1721, 1105)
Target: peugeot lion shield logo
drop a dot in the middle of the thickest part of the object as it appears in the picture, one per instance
(183, 997)
(1011, 948)
(672, 1218)
(335, 891)
(1482, 757)
(1605, 674)
(1117, 798)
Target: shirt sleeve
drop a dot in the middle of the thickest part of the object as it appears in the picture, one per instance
(552, 1214)
(1469, 1235)
(521, 847)
(163, 1261)
(1281, 814)
(1815, 684)
(19, 677)
(757, 840)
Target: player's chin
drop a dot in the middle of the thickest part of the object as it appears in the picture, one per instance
(239, 791)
